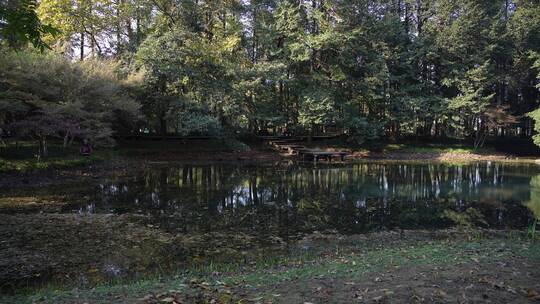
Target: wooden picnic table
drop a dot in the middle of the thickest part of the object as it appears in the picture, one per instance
(328, 155)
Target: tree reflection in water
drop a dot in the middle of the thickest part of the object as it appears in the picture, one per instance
(300, 198)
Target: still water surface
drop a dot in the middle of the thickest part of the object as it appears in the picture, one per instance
(292, 198)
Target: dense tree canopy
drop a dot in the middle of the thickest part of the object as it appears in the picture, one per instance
(46, 96)
(363, 68)
(19, 24)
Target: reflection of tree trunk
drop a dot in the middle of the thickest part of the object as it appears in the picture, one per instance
(66, 140)
(255, 197)
(43, 151)
(185, 176)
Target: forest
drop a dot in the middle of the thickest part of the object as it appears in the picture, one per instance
(362, 69)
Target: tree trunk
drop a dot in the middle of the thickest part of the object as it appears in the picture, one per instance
(163, 126)
(82, 45)
(118, 27)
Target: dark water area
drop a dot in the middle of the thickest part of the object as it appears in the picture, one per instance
(290, 198)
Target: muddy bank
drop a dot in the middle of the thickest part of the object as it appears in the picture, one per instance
(72, 248)
(83, 250)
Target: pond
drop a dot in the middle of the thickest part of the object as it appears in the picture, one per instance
(288, 198)
(190, 211)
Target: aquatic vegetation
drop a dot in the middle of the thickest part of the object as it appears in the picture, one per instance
(534, 205)
(531, 231)
(466, 220)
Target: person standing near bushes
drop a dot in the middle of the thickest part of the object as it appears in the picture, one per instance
(86, 148)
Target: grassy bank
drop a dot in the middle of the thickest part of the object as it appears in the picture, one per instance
(22, 157)
(10, 165)
(416, 267)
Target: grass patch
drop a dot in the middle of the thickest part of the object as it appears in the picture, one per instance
(406, 147)
(29, 165)
(22, 156)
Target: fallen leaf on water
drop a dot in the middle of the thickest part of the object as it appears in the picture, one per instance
(442, 293)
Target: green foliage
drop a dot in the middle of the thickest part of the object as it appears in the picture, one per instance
(231, 144)
(182, 91)
(45, 95)
(534, 204)
(531, 230)
(535, 115)
(467, 220)
(366, 69)
(20, 24)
